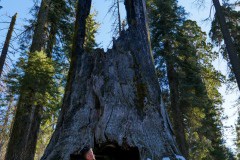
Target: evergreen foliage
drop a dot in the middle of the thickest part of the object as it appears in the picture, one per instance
(232, 16)
(91, 30)
(45, 72)
(180, 43)
(183, 60)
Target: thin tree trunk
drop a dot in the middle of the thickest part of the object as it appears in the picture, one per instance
(175, 106)
(176, 111)
(231, 49)
(4, 133)
(51, 40)
(23, 139)
(6, 44)
(119, 17)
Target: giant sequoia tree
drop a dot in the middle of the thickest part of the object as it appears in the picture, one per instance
(112, 100)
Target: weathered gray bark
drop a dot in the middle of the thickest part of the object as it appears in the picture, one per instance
(231, 49)
(23, 138)
(113, 97)
(7, 43)
(119, 17)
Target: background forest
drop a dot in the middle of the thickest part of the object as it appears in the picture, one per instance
(199, 82)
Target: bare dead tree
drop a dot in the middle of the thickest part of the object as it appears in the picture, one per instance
(231, 49)
(7, 43)
(113, 100)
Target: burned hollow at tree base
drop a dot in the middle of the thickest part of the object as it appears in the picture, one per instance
(112, 152)
(113, 99)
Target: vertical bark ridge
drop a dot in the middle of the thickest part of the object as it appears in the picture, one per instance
(120, 79)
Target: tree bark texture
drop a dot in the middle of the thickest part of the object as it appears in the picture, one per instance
(23, 138)
(176, 110)
(231, 49)
(7, 43)
(39, 36)
(51, 40)
(113, 97)
(4, 134)
(119, 17)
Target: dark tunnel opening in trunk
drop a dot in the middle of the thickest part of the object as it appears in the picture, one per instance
(112, 152)
(115, 152)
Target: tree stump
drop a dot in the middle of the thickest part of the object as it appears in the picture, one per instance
(114, 100)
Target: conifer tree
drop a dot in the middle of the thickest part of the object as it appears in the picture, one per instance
(163, 25)
(230, 47)
(38, 71)
(59, 32)
(181, 51)
(232, 15)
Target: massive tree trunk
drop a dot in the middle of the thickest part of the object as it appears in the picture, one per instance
(7, 43)
(23, 138)
(231, 49)
(112, 100)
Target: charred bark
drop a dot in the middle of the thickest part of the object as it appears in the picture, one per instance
(231, 49)
(23, 138)
(7, 43)
(113, 98)
(83, 10)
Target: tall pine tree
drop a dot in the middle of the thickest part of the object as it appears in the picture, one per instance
(181, 52)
